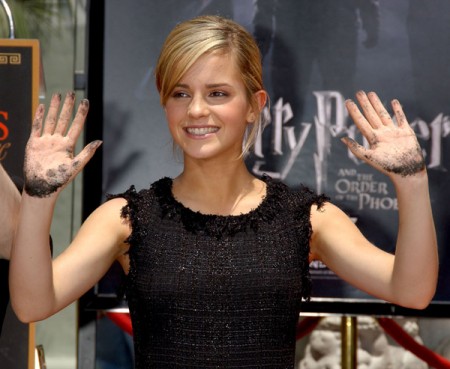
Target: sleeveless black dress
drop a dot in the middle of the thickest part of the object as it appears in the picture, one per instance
(211, 291)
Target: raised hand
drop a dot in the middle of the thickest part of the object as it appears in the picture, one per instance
(394, 149)
(50, 163)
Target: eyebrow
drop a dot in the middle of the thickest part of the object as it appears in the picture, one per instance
(210, 85)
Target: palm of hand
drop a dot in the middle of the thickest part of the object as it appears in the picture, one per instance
(49, 156)
(49, 164)
(394, 149)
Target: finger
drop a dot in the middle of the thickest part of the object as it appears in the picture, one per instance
(380, 109)
(36, 126)
(50, 120)
(399, 114)
(368, 110)
(84, 156)
(78, 121)
(66, 114)
(361, 152)
(360, 121)
(357, 149)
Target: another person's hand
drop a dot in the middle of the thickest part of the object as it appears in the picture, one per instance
(50, 163)
(394, 149)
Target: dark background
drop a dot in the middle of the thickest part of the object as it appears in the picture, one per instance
(399, 49)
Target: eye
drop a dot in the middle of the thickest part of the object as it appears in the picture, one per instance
(218, 94)
(179, 94)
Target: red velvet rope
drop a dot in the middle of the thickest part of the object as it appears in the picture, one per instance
(123, 320)
(409, 343)
(308, 324)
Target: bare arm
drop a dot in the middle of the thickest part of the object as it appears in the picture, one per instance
(40, 286)
(409, 277)
(10, 203)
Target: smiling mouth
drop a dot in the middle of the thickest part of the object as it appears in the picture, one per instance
(201, 131)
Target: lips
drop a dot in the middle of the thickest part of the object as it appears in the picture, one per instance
(201, 131)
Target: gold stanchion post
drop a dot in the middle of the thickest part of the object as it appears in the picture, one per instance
(349, 342)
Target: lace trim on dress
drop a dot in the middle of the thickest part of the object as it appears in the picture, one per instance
(219, 226)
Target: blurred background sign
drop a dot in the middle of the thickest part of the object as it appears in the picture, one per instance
(20, 76)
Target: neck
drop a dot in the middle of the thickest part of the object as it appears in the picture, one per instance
(226, 189)
(217, 178)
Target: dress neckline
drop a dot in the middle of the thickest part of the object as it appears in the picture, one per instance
(216, 224)
(188, 209)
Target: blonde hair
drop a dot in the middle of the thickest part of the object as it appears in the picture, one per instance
(191, 39)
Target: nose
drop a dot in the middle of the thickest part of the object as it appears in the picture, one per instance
(198, 107)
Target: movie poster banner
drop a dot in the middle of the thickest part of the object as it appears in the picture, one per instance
(316, 54)
(20, 74)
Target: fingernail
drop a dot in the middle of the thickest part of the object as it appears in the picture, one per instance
(95, 144)
(348, 141)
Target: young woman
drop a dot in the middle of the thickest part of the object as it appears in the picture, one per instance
(217, 259)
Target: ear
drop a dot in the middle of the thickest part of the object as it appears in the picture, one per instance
(261, 98)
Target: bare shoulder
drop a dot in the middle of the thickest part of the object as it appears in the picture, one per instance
(107, 221)
(331, 227)
(328, 212)
(110, 211)
(112, 207)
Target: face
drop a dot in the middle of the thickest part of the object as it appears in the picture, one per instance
(208, 110)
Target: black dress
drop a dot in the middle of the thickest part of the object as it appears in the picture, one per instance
(211, 291)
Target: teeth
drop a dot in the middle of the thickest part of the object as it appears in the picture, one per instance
(200, 131)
